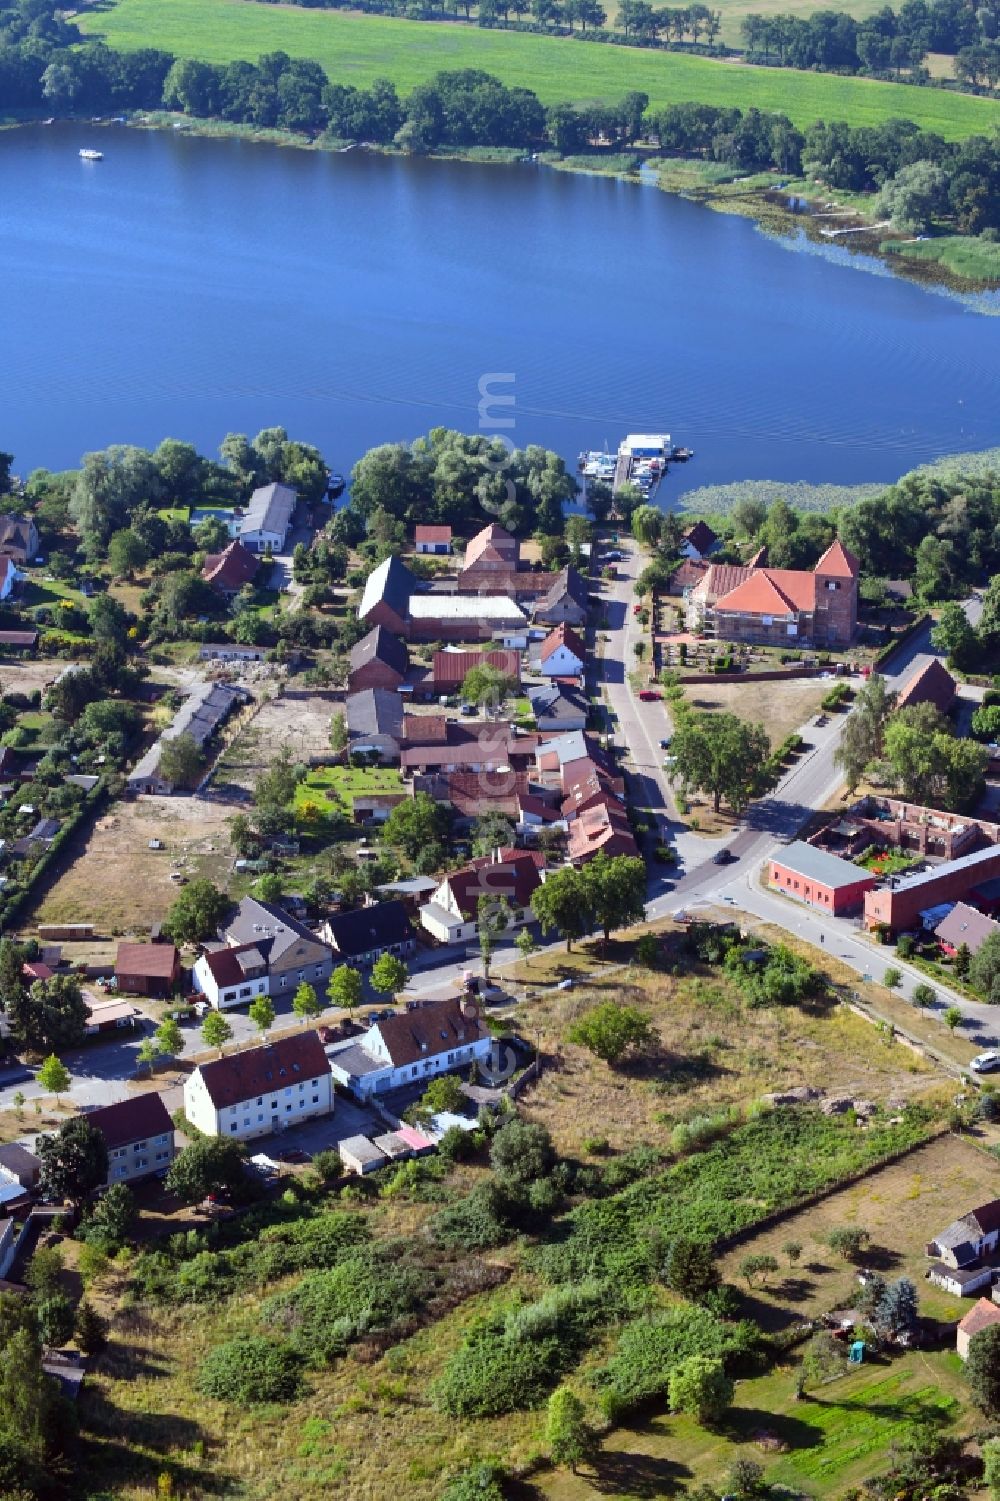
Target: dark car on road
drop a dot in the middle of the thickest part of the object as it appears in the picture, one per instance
(723, 857)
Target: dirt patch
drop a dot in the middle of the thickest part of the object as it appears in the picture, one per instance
(780, 707)
(299, 723)
(122, 886)
(30, 674)
(901, 1206)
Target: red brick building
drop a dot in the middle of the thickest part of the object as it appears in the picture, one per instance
(819, 879)
(778, 606)
(899, 906)
(147, 968)
(379, 660)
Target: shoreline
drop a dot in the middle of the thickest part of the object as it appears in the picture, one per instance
(783, 212)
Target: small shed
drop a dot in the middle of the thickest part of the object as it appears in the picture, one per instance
(359, 1155)
(418, 1143)
(961, 1283)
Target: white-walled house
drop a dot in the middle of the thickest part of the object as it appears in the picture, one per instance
(262, 1090)
(268, 952)
(515, 875)
(267, 518)
(562, 654)
(139, 1136)
(405, 1049)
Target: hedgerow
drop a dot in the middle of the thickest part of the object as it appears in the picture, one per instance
(368, 1292)
(771, 1162)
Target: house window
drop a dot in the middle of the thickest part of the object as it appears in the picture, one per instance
(233, 1126)
(315, 1099)
(162, 1156)
(119, 1172)
(260, 1117)
(260, 1099)
(247, 990)
(142, 1162)
(288, 1090)
(139, 1146)
(287, 1108)
(246, 1120)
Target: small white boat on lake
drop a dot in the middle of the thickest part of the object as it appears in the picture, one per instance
(88, 154)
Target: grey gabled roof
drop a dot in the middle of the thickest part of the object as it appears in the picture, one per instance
(256, 921)
(818, 865)
(553, 701)
(391, 582)
(966, 862)
(568, 581)
(380, 645)
(269, 509)
(375, 711)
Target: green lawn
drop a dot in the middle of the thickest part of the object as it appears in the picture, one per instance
(835, 1438)
(356, 49)
(968, 257)
(334, 788)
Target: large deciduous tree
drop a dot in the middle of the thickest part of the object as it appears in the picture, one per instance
(720, 755)
(564, 902)
(74, 1160)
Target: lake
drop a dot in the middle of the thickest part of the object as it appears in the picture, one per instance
(190, 287)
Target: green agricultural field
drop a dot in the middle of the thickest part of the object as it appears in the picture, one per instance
(357, 49)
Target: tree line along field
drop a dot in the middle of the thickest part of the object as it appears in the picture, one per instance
(356, 49)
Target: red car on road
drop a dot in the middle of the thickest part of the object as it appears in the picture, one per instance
(648, 696)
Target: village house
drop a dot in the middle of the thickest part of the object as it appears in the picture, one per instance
(514, 875)
(108, 1013)
(375, 723)
(472, 793)
(20, 1173)
(227, 572)
(402, 1049)
(432, 744)
(562, 654)
(391, 598)
(18, 641)
(819, 879)
(698, 542)
(262, 1090)
(378, 660)
(18, 538)
(967, 1241)
(231, 651)
(895, 824)
(565, 602)
(264, 525)
(8, 577)
(147, 968)
(492, 557)
(685, 576)
(983, 1316)
(433, 540)
(964, 925)
(266, 952)
(776, 606)
(556, 707)
(362, 936)
(139, 1136)
(601, 826)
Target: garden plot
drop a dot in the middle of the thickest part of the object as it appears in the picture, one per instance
(300, 725)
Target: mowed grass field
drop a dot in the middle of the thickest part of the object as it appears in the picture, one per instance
(355, 49)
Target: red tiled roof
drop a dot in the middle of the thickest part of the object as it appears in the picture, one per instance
(604, 826)
(691, 571)
(469, 791)
(158, 961)
(431, 1030)
(425, 729)
(837, 562)
(224, 965)
(450, 667)
(563, 635)
(515, 876)
(932, 684)
(132, 1120)
(493, 544)
(980, 1317)
(432, 534)
(258, 1071)
(230, 569)
(530, 802)
(757, 595)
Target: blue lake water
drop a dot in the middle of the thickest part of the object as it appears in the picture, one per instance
(189, 287)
